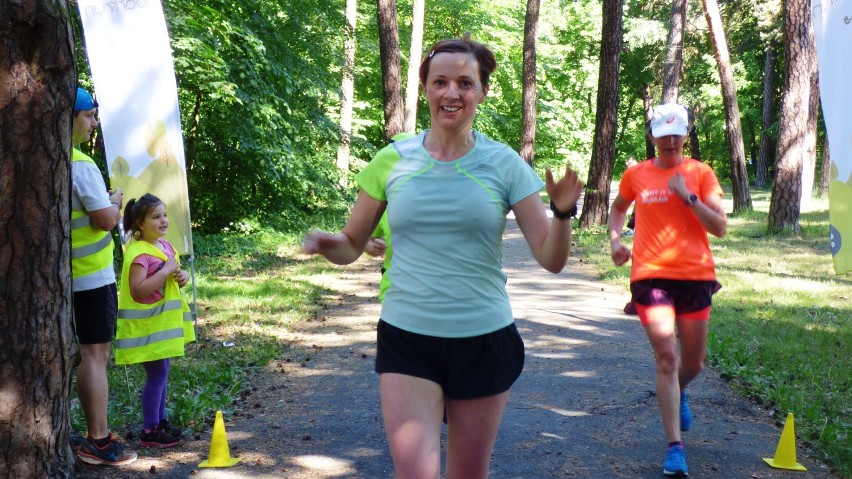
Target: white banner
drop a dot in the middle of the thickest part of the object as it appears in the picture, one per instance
(832, 20)
(133, 72)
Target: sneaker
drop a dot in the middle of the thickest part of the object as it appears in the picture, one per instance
(627, 234)
(113, 454)
(157, 438)
(170, 428)
(76, 440)
(685, 412)
(675, 465)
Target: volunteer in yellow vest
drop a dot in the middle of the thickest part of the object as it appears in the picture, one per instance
(153, 321)
(94, 212)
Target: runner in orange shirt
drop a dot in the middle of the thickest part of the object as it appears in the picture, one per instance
(672, 277)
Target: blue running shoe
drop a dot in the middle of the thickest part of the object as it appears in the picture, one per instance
(685, 412)
(113, 454)
(675, 465)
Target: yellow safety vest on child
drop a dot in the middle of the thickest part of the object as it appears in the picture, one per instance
(148, 332)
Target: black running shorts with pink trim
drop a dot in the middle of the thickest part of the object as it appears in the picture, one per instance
(683, 296)
(465, 368)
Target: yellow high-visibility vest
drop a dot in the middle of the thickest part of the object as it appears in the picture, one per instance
(91, 248)
(148, 332)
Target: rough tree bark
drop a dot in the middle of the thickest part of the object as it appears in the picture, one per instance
(38, 78)
(799, 64)
(764, 157)
(733, 130)
(596, 199)
(391, 75)
(810, 159)
(412, 87)
(673, 65)
(528, 114)
(347, 88)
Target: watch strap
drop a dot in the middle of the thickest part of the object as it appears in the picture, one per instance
(563, 215)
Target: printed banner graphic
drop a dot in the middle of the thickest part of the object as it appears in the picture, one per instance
(131, 62)
(832, 20)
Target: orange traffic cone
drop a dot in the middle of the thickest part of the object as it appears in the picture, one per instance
(785, 453)
(220, 454)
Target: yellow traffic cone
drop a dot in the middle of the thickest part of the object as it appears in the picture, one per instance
(785, 454)
(220, 454)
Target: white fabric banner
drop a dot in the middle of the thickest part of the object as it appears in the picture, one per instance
(133, 72)
(832, 20)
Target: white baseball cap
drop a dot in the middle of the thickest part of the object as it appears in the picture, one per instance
(669, 119)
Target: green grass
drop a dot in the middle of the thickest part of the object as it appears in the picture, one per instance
(781, 328)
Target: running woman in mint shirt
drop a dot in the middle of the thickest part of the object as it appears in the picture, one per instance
(446, 339)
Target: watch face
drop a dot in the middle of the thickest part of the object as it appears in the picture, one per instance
(693, 198)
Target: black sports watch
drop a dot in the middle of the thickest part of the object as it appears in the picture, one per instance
(691, 200)
(563, 215)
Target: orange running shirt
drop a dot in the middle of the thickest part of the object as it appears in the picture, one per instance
(669, 241)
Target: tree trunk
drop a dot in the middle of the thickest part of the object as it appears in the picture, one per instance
(391, 75)
(825, 170)
(734, 132)
(39, 78)
(347, 89)
(674, 54)
(412, 87)
(800, 61)
(809, 161)
(694, 145)
(596, 199)
(650, 150)
(528, 114)
(764, 158)
(192, 136)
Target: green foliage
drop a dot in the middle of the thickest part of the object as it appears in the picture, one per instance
(259, 86)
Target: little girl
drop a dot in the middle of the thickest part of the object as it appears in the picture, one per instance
(153, 321)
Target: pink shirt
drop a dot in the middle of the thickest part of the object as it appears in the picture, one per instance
(152, 264)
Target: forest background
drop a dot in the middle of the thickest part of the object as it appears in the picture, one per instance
(259, 85)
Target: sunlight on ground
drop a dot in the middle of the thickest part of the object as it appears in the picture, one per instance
(579, 374)
(565, 412)
(325, 463)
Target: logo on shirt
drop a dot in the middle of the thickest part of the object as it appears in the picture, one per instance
(481, 167)
(655, 196)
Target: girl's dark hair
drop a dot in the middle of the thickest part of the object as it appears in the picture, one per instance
(483, 55)
(135, 212)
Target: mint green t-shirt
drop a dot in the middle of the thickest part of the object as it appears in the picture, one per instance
(446, 221)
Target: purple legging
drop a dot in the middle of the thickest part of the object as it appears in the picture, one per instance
(154, 393)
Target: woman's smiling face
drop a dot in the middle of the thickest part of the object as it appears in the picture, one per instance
(453, 90)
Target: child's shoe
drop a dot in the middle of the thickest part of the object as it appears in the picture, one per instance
(157, 438)
(170, 428)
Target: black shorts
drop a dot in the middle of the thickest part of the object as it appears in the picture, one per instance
(683, 296)
(95, 313)
(465, 368)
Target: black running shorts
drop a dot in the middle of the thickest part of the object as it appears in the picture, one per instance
(465, 368)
